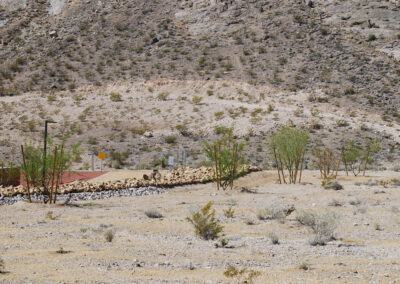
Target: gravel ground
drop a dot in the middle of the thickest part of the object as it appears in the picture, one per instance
(166, 250)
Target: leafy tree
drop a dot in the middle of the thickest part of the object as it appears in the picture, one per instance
(288, 146)
(226, 154)
(58, 160)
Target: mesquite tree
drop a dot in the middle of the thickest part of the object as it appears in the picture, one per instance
(226, 154)
(288, 146)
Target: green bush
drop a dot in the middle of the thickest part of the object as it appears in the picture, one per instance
(205, 224)
(357, 157)
(371, 37)
(115, 97)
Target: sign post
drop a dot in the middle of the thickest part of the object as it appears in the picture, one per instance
(101, 157)
(170, 160)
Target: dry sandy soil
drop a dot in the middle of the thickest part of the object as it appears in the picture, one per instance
(166, 250)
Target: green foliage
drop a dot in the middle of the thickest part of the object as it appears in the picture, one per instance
(241, 275)
(57, 161)
(205, 224)
(357, 157)
(115, 97)
(288, 146)
(227, 156)
(118, 159)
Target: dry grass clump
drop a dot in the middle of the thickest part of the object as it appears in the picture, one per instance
(109, 235)
(275, 211)
(229, 213)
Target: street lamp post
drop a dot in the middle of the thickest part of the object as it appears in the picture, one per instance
(44, 152)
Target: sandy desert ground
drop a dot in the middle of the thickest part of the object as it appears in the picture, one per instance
(166, 250)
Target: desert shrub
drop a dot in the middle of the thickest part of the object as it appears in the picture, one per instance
(70, 38)
(371, 37)
(356, 157)
(221, 130)
(183, 129)
(274, 238)
(275, 211)
(163, 96)
(219, 114)
(323, 226)
(241, 275)
(304, 266)
(226, 154)
(288, 146)
(170, 139)
(196, 100)
(118, 159)
(109, 235)
(154, 214)
(50, 216)
(205, 224)
(115, 97)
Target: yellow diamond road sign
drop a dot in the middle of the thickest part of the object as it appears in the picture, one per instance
(102, 156)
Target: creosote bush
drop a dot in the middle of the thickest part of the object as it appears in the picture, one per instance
(205, 224)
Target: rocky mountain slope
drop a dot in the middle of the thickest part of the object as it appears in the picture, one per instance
(176, 63)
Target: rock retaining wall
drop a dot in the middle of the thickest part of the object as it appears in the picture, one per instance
(171, 178)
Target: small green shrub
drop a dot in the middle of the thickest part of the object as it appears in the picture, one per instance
(205, 224)
(371, 37)
(241, 275)
(115, 97)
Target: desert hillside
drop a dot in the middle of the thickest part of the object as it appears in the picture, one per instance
(110, 71)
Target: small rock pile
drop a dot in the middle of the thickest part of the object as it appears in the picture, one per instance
(176, 177)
